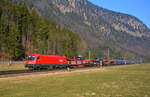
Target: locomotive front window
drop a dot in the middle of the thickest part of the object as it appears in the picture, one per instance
(31, 58)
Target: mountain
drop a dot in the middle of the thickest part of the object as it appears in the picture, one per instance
(98, 27)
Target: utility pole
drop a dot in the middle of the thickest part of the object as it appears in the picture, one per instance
(89, 54)
(108, 54)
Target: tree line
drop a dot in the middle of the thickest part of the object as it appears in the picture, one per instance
(23, 31)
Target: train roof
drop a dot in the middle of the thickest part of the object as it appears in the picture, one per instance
(47, 55)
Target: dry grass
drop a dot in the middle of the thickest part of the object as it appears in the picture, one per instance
(4, 67)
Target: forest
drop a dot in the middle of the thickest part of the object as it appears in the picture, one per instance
(24, 31)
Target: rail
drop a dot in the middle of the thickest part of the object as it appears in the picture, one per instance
(12, 62)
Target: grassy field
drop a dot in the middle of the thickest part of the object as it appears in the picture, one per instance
(4, 67)
(118, 81)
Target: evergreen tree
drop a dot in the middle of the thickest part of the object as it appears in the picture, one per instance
(23, 32)
(12, 44)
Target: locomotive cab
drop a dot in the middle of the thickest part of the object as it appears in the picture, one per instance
(31, 60)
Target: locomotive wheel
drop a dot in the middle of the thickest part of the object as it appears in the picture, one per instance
(54, 67)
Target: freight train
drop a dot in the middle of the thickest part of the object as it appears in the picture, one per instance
(38, 61)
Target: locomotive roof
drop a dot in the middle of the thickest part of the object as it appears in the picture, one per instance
(46, 55)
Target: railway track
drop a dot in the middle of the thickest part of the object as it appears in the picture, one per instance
(18, 72)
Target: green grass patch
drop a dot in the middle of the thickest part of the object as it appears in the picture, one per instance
(122, 81)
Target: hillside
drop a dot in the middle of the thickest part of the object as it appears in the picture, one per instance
(100, 29)
(23, 32)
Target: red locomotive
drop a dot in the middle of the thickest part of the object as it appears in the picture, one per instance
(45, 61)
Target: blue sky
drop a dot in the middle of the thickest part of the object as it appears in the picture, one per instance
(137, 8)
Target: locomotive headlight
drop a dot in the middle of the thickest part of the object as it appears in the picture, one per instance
(60, 60)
